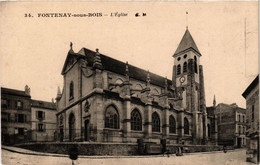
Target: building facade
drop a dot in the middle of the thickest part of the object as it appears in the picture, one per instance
(26, 120)
(106, 100)
(15, 115)
(43, 120)
(231, 125)
(251, 94)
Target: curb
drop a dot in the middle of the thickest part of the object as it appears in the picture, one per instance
(37, 154)
(107, 157)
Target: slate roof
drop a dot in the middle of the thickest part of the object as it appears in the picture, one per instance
(187, 42)
(43, 104)
(251, 86)
(118, 67)
(13, 92)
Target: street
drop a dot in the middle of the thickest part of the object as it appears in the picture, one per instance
(236, 157)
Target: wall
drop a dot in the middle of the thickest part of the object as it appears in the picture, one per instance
(85, 149)
(115, 149)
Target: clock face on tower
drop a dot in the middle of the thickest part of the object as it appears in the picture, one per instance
(182, 79)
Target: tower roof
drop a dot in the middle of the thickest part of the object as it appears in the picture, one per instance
(187, 42)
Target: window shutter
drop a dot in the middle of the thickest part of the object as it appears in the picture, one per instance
(43, 115)
(36, 114)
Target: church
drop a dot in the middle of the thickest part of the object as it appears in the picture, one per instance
(109, 101)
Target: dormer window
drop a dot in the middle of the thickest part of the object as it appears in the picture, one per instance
(185, 56)
(71, 90)
(178, 69)
(179, 58)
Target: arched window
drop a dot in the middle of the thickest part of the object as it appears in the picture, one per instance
(172, 124)
(155, 122)
(209, 134)
(185, 67)
(195, 64)
(186, 126)
(253, 113)
(244, 119)
(136, 120)
(239, 117)
(71, 90)
(178, 69)
(111, 117)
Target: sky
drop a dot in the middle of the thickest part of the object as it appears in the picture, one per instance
(33, 49)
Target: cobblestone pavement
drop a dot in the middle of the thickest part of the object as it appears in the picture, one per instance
(236, 157)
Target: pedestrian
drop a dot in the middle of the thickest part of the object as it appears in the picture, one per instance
(225, 148)
(73, 154)
(179, 152)
(182, 147)
(167, 152)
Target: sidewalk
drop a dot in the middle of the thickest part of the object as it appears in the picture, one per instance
(29, 152)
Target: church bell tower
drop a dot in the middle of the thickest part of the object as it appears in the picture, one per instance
(188, 82)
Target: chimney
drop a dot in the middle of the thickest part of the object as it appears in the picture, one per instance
(27, 90)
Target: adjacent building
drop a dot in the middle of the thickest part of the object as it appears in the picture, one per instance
(43, 120)
(15, 115)
(213, 127)
(251, 94)
(231, 121)
(26, 120)
(106, 100)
